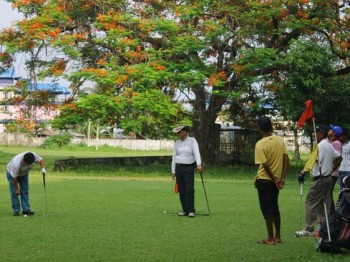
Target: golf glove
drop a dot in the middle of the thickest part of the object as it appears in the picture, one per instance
(301, 178)
(43, 171)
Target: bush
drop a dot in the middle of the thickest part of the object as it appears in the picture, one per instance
(57, 141)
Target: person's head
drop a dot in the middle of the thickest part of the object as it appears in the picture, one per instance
(344, 137)
(28, 158)
(321, 132)
(265, 124)
(334, 132)
(181, 131)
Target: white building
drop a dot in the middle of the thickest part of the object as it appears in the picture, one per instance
(11, 111)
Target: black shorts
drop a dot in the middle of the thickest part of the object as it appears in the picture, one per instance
(268, 198)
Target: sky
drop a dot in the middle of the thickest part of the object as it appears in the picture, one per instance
(7, 18)
(7, 14)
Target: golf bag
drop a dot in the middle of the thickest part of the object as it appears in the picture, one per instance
(339, 226)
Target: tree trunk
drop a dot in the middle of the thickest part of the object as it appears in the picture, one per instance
(296, 145)
(205, 130)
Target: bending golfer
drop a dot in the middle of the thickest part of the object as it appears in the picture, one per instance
(323, 161)
(18, 176)
(186, 158)
(272, 157)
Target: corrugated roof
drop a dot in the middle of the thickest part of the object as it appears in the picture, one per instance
(8, 73)
(49, 87)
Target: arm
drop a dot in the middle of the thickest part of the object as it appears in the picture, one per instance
(173, 163)
(15, 183)
(197, 155)
(336, 163)
(284, 171)
(269, 172)
(43, 170)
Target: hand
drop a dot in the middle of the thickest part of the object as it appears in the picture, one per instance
(281, 184)
(43, 171)
(301, 178)
(17, 192)
(173, 176)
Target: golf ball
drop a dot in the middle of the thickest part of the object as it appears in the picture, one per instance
(25, 216)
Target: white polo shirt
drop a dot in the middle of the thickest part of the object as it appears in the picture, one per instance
(326, 156)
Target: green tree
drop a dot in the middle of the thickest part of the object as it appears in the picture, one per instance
(211, 51)
(152, 114)
(95, 107)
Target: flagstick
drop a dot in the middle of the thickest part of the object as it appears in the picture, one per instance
(314, 126)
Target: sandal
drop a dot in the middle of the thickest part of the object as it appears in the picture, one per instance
(278, 241)
(265, 241)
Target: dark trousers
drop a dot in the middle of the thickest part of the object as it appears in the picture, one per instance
(185, 180)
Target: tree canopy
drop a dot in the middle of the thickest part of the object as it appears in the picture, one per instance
(211, 51)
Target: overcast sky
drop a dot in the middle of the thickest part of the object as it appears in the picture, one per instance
(7, 14)
(7, 17)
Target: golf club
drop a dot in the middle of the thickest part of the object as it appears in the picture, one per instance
(165, 212)
(205, 192)
(329, 243)
(301, 204)
(44, 182)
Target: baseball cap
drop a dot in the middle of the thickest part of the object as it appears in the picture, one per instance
(178, 129)
(321, 129)
(337, 130)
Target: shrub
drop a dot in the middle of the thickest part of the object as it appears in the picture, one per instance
(57, 141)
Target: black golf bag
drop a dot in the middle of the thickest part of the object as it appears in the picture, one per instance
(339, 226)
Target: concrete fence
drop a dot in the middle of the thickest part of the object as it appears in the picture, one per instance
(17, 139)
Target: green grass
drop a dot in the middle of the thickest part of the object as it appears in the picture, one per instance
(118, 216)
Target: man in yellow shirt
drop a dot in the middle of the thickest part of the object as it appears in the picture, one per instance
(272, 157)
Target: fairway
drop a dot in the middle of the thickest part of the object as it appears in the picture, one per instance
(121, 219)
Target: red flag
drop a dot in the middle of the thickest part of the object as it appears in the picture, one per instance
(307, 114)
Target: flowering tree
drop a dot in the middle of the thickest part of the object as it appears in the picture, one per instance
(209, 51)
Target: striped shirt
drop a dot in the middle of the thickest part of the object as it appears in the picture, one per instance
(345, 163)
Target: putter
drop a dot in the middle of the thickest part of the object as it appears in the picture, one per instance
(205, 192)
(44, 182)
(165, 212)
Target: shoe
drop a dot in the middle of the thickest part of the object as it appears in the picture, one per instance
(304, 233)
(15, 214)
(191, 214)
(182, 213)
(28, 212)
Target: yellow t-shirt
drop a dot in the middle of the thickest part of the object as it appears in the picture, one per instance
(270, 150)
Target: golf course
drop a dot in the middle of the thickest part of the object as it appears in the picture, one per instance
(129, 213)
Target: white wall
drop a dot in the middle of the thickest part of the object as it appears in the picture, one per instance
(132, 144)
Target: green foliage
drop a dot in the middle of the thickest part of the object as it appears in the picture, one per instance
(311, 75)
(209, 51)
(105, 109)
(57, 141)
(152, 114)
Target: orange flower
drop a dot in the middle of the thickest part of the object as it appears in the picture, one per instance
(101, 62)
(238, 69)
